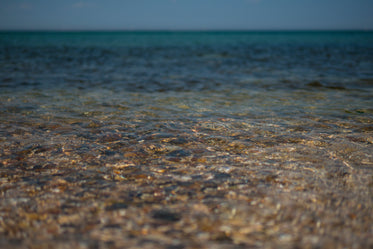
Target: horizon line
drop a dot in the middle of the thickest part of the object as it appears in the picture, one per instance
(190, 30)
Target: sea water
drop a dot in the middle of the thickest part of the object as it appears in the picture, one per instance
(233, 119)
(250, 76)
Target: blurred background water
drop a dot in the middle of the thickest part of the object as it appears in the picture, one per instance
(118, 77)
(186, 61)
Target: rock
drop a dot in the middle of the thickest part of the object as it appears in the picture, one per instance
(165, 215)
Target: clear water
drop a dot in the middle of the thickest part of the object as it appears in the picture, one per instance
(100, 76)
(150, 111)
(273, 85)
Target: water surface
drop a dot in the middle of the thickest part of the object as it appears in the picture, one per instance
(186, 139)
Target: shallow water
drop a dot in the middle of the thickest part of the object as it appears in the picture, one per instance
(185, 140)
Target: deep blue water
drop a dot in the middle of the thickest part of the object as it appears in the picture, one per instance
(186, 61)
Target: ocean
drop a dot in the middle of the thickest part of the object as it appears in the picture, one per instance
(177, 127)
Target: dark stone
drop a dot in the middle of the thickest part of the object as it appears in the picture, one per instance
(315, 84)
(165, 215)
(336, 87)
(108, 153)
(113, 226)
(116, 206)
(179, 141)
(179, 153)
(179, 246)
(37, 167)
(222, 175)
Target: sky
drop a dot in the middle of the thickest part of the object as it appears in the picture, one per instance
(186, 14)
